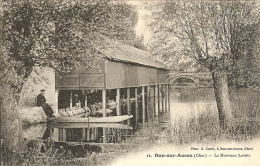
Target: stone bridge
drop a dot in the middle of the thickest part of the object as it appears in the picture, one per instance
(198, 78)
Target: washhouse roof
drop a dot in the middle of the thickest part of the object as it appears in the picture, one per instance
(118, 51)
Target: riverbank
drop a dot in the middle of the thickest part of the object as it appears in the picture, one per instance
(32, 115)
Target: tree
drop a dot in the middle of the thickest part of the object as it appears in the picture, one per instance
(246, 71)
(213, 34)
(57, 34)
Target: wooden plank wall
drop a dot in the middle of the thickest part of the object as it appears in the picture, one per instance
(162, 76)
(77, 81)
(82, 77)
(122, 75)
(117, 75)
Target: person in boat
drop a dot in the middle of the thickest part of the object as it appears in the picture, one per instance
(41, 102)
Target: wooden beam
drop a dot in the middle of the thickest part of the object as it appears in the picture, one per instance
(104, 101)
(85, 98)
(159, 98)
(156, 100)
(163, 98)
(70, 100)
(118, 104)
(118, 135)
(169, 97)
(92, 134)
(88, 135)
(56, 102)
(60, 134)
(143, 105)
(128, 104)
(104, 135)
(136, 106)
(83, 134)
(63, 134)
(166, 97)
(148, 103)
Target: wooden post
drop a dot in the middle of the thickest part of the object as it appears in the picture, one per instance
(83, 134)
(136, 106)
(166, 97)
(118, 135)
(128, 104)
(104, 135)
(156, 109)
(70, 100)
(63, 134)
(147, 104)
(88, 136)
(60, 135)
(159, 98)
(143, 105)
(163, 98)
(93, 134)
(156, 100)
(118, 104)
(104, 101)
(85, 99)
(169, 97)
(56, 102)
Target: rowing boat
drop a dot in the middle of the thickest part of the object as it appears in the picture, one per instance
(88, 125)
(110, 119)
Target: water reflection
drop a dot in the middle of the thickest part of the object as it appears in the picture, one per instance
(187, 103)
(81, 132)
(34, 131)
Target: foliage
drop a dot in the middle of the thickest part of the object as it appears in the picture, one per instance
(57, 34)
(207, 32)
(246, 71)
(60, 34)
(214, 34)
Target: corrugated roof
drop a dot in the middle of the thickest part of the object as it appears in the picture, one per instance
(118, 51)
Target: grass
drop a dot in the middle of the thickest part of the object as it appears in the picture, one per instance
(205, 129)
(202, 126)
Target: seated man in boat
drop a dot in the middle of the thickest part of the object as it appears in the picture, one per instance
(41, 101)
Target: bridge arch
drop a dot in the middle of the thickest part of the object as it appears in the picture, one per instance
(194, 79)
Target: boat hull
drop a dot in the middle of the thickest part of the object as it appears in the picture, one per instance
(110, 119)
(89, 125)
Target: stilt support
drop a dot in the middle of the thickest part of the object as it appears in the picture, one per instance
(143, 105)
(104, 102)
(118, 104)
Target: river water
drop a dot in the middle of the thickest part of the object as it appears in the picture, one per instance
(186, 103)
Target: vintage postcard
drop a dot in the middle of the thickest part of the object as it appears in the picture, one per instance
(130, 82)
